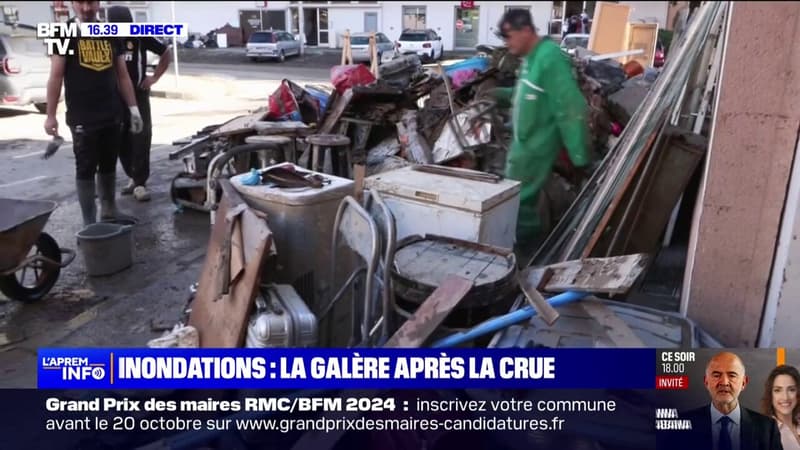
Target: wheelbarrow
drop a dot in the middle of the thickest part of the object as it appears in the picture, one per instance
(30, 260)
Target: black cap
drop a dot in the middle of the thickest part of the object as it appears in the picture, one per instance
(515, 19)
(119, 14)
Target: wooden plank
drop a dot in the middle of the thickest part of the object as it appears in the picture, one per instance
(682, 154)
(266, 128)
(336, 111)
(618, 331)
(543, 309)
(190, 147)
(613, 275)
(417, 329)
(643, 36)
(241, 124)
(222, 322)
(609, 27)
(237, 255)
(359, 174)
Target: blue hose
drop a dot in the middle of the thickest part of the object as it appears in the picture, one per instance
(498, 323)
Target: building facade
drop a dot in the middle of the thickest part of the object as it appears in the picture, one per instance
(461, 24)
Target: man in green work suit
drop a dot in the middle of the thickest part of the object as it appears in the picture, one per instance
(549, 114)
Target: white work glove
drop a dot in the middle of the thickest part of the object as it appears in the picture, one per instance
(137, 124)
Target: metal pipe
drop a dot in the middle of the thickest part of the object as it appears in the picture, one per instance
(498, 323)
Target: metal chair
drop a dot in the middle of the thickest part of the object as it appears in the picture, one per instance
(384, 219)
(360, 233)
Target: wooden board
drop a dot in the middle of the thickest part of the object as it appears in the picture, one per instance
(418, 328)
(618, 331)
(222, 321)
(241, 124)
(270, 128)
(642, 36)
(609, 28)
(190, 147)
(615, 275)
(336, 111)
(237, 253)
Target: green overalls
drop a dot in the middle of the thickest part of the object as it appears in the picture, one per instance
(549, 114)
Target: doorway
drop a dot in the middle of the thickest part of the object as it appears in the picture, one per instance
(466, 27)
(371, 22)
(316, 26)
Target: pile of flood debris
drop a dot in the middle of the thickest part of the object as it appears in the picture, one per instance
(402, 167)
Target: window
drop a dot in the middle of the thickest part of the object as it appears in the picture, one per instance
(414, 18)
(261, 38)
(414, 37)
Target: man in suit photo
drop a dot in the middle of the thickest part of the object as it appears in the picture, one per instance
(724, 424)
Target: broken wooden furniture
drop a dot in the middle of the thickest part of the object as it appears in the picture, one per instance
(354, 228)
(218, 151)
(421, 264)
(239, 244)
(333, 147)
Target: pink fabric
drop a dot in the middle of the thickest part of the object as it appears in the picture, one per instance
(462, 77)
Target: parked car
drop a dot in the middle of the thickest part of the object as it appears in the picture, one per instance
(359, 43)
(573, 41)
(660, 56)
(24, 72)
(425, 43)
(274, 44)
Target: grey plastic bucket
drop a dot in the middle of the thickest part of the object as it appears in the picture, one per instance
(107, 248)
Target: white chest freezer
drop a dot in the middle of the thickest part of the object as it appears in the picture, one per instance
(301, 221)
(427, 203)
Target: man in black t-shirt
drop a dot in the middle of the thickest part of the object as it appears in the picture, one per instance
(134, 153)
(94, 75)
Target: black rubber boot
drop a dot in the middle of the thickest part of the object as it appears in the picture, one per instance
(86, 195)
(106, 188)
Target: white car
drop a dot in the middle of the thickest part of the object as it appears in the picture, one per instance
(359, 44)
(573, 41)
(425, 43)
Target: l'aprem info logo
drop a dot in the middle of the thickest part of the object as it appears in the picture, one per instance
(75, 368)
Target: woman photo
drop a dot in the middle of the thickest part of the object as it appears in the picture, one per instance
(780, 401)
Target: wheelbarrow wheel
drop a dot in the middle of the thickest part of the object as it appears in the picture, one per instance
(30, 284)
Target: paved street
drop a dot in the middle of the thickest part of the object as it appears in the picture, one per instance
(169, 245)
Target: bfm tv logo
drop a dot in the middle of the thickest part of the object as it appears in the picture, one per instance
(75, 368)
